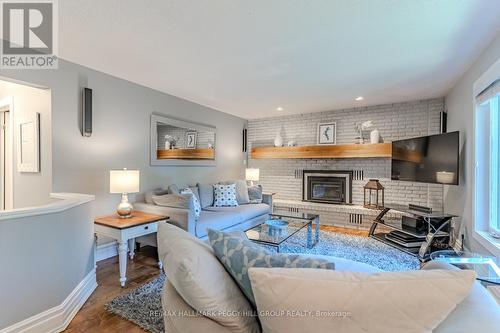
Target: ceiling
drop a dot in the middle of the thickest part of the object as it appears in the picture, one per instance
(247, 58)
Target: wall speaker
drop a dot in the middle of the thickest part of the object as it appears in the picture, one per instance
(443, 121)
(87, 112)
(244, 140)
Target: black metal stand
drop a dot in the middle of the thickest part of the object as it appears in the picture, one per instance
(438, 229)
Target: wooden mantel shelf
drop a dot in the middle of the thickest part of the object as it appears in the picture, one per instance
(378, 150)
(186, 154)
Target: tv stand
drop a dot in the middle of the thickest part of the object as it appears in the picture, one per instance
(422, 209)
(437, 231)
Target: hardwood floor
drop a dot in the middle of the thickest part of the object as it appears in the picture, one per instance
(94, 318)
(348, 231)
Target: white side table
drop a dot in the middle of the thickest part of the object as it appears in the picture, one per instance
(125, 231)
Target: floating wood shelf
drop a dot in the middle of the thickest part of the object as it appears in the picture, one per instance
(186, 154)
(379, 150)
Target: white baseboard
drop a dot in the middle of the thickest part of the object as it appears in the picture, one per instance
(105, 251)
(57, 318)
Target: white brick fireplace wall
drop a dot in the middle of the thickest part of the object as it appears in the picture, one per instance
(394, 121)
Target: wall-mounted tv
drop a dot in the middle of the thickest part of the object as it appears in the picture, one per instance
(427, 159)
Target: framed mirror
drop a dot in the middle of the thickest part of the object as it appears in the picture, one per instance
(180, 142)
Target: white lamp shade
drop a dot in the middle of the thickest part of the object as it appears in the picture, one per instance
(252, 175)
(124, 181)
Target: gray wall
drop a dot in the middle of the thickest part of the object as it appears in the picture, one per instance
(394, 121)
(31, 189)
(121, 133)
(460, 106)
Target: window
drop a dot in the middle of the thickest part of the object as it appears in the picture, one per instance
(487, 158)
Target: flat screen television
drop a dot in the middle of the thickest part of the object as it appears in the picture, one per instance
(427, 159)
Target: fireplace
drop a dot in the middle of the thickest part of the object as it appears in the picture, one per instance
(327, 186)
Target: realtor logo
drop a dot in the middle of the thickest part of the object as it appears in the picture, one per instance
(29, 34)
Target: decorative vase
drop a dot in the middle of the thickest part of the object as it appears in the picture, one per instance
(375, 136)
(167, 145)
(278, 140)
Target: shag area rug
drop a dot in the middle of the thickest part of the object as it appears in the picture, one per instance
(143, 305)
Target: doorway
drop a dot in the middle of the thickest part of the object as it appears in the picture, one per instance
(6, 163)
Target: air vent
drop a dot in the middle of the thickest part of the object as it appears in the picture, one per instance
(358, 175)
(298, 173)
(286, 209)
(356, 218)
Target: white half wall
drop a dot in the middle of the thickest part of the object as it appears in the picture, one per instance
(46, 252)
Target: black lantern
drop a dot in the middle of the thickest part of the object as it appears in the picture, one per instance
(373, 194)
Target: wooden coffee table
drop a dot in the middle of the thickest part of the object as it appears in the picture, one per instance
(125, 231)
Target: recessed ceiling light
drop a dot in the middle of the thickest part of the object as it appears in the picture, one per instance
(279, 108)
(360, 98)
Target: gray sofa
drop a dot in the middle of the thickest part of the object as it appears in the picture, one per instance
(478, 312)
(242, 217)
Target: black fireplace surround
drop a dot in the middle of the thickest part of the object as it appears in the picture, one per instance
(327, 186)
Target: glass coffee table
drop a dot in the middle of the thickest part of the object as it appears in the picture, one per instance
(486, 267)
(283, 225)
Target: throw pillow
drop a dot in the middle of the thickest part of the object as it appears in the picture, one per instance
(195, 190)
(238, 254)
(241, 191)
(206, 194)
(342, 301)
(148, 196)
(172, 200)
(202, 282)
(196, 202)
(173, 189)
(255, 194)
(225, 195)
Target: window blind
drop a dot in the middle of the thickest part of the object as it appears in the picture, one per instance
(489, 92)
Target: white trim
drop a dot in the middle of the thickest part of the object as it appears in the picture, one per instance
(486, 79)
(9, 186)
(67, 201)
(480, 226)
(56, 319)
(491, 244)
(105, 251)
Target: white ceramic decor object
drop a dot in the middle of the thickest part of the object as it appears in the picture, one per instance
(278, 140)
(375, 136)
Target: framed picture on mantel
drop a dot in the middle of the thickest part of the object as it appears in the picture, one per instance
(327, 133)
(191, 137)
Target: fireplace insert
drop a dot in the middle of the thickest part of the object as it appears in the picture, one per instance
(327, 186)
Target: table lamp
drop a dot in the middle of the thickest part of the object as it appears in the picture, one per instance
(124, 182)
(252, 175)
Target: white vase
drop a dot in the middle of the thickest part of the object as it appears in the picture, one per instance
(167, 145)
(278, 140)
(375, 136)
